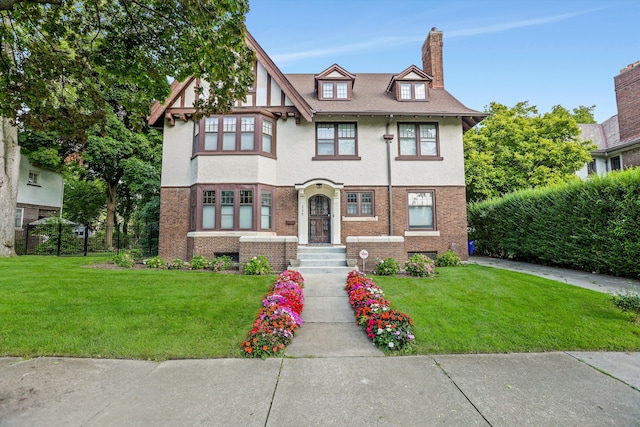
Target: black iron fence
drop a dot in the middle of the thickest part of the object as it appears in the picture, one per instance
(73, 240)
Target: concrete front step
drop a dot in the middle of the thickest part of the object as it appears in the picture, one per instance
(323, 270)
(322, 249)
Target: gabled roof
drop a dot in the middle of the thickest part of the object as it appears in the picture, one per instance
(371, 97)
(333, 70)
(159, 110)
(288, 89)
(412, 69)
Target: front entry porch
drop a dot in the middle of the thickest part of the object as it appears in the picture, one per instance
(319, 212)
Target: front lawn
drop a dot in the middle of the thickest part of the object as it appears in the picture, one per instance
(475, 309)
(53, 306)
(59, 306)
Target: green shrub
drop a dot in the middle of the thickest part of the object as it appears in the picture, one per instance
(628, 301)
(448, 259)
(257, 266)
(124, 260)
(221, 263)
(419, 265)
(387, 267)
(199, 262)
(136, 254)
(155, 262)
(176, 264)
(591, 225)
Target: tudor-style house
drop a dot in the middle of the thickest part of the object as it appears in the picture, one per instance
(348, 160)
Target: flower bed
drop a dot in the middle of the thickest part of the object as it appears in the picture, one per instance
(388, 328)
(278, 319)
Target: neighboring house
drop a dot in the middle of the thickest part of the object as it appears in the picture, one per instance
(40, 193)
(366, 161)
(618, 138)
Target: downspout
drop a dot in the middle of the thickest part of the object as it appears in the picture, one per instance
(388, 137)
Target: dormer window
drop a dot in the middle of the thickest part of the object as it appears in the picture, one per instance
(410, 85)
(413, 91)
(334, 83)
(335, 90)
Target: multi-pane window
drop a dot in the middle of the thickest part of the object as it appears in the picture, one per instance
(245, 134)
(227, 209)
(267, 136)
(19, 217)
(245, 217)
(327, 90)
(247, 128)
(336, 139)
(408, 91)
(360, 203)
(421, 210)
(224, 208)
(265, 210)
(334, 90)
(211, 133)
(591, 167)
(33, 178)
(616, 164)
(229, 133)
(342, 91)
(418, 139)
(208, 209)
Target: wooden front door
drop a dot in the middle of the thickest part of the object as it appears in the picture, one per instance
(319, 219)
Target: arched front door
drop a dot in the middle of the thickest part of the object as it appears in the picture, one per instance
(319, 219)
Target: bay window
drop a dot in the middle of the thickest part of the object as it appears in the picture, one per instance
(244, 134)
(231, 207)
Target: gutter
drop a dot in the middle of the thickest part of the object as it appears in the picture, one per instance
(388, 137)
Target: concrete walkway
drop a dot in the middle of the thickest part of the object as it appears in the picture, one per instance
(332, 376)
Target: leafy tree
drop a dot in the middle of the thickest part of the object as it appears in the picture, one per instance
(584, 114)
(58, 59)
(517, 148)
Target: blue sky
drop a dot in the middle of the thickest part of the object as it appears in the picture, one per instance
(563, 52)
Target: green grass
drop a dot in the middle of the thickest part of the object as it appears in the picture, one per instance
(52, 306)
(474, 309)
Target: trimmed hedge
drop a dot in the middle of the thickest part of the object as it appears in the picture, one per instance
(591, 225)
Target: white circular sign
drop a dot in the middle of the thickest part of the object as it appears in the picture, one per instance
(364, 254)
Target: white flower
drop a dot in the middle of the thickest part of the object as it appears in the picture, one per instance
(379, 331)
(391, 344)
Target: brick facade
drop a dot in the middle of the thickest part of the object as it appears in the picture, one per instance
(378, 248)
(174, 223)
(278, 250)
(35, 212)
(631, 158)
(627, 87)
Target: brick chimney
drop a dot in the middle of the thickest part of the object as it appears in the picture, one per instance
(627, 86)
(432, 58)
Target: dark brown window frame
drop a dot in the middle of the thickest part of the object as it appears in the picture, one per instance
(359, 197)
(257, 190)
(418, 155)
(198, 147)
(413, 84)
(336, 144)
(321, 96)
(434, 227)
(618, 163)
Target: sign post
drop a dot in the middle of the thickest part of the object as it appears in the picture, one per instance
(364, 254)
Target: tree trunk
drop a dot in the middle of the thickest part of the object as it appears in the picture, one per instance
(9, 172)
(112, 191)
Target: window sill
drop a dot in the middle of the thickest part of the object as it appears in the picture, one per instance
(427, 158)
(229, 233)
(335, 158)
(233, 153)
(423, 233)
(360, 218)
(34, 185)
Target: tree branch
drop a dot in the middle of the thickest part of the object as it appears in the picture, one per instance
(8, 4)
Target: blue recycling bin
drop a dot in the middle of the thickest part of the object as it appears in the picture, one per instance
(472, 246)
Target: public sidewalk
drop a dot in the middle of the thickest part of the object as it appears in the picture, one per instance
(332, 376)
